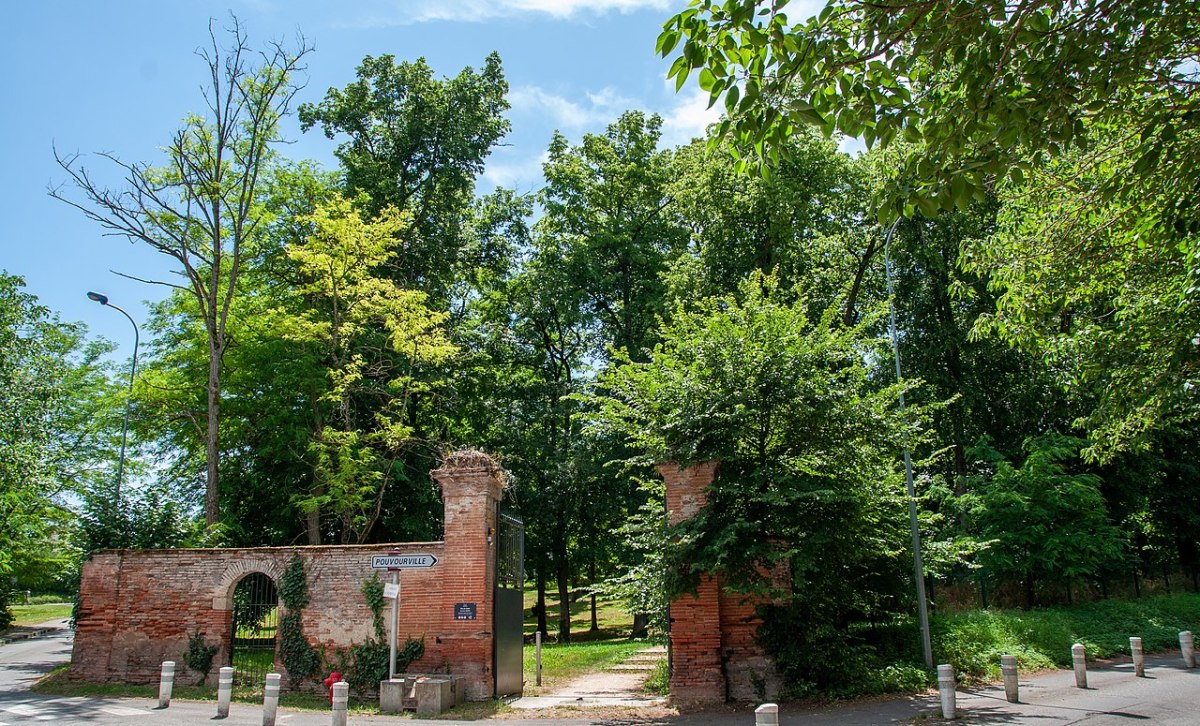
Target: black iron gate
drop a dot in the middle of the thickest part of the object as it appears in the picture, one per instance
(509, 606)
(255, 624)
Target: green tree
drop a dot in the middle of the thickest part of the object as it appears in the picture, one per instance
(58, 427)
(605, 203)
(806, 507)
(203, 207)
(804, 222)
(370, 333)
(1092, 100)
(987, 87)
(417, 143)
(788, 407)
(1120, 330)
(1042, 520)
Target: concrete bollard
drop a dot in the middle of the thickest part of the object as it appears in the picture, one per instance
(1079, 660)
(166, 683)
(341, 695)
(224, 691)
(537, 651)
(1008, 668)
(271, 699)
(946, 685)
(1139, 657)
(767, 715)
(1187, 648)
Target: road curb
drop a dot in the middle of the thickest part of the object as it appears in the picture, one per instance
(26, 635)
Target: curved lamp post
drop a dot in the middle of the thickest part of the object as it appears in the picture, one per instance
(103, 300)
(918, 569)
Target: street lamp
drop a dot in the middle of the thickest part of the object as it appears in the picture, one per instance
(918, 569)
(103, 300)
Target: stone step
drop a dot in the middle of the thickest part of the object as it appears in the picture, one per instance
(632, 668)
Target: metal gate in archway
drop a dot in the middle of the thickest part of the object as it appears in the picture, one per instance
(255, 625)
(509, 606)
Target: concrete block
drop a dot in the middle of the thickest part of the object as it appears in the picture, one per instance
(391, 696)
(433, 696)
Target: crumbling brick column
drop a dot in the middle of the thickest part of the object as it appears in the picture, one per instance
(472, 484)
(696, 671)
(715, 655)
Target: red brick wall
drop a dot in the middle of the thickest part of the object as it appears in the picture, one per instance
(137, 608)
(714, 656)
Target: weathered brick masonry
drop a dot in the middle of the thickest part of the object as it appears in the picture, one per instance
(137, 608)
(714, 655)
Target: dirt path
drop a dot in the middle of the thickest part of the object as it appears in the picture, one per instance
(619, 685)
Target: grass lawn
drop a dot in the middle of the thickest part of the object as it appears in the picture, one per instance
(589, 650)
(611, 618)
(27, 615)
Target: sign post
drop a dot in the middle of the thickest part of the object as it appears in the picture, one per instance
(394, 562)
(395, 626)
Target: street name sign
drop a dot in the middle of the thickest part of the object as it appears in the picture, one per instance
(403, 562)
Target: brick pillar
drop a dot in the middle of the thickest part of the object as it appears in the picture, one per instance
(98, 615)
(472, 485)
(696, 671)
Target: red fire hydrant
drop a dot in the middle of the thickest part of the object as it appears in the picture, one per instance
(332, 679)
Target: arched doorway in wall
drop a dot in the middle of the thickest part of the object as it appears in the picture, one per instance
(255, 626)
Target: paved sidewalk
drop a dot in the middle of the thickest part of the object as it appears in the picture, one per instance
(1169, 695)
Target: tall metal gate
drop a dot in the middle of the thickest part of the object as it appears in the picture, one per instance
(509, 606)
(255, 625)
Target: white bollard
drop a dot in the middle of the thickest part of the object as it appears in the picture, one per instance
(537, 639)
(270, 699)
(1008, 668)
(1188, 649)
(341, 694)
(166, 683)
(767, 715)
(1139, 657)
(1079, 660)
(946, 687)
(224, 691)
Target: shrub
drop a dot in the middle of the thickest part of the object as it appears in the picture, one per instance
(199, 655)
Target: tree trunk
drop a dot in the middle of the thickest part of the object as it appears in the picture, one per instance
(641, 625)
(1029, 592)
(592, 576)
(212, 440)
(313, 526)
(564, 597)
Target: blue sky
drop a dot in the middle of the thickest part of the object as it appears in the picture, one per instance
(117, 76)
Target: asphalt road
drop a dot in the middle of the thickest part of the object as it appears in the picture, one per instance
(1168, 696)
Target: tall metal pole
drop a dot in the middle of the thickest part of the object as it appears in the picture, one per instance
(918, 569)
(103, 300)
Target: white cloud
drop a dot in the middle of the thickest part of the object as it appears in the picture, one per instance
(599, 108)
(688, 116)
(382, 13)
(519, 174)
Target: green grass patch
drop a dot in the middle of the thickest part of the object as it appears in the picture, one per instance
(611, 619)
(561, 663)
(27, 615)
(659, 681)
(974, 641)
